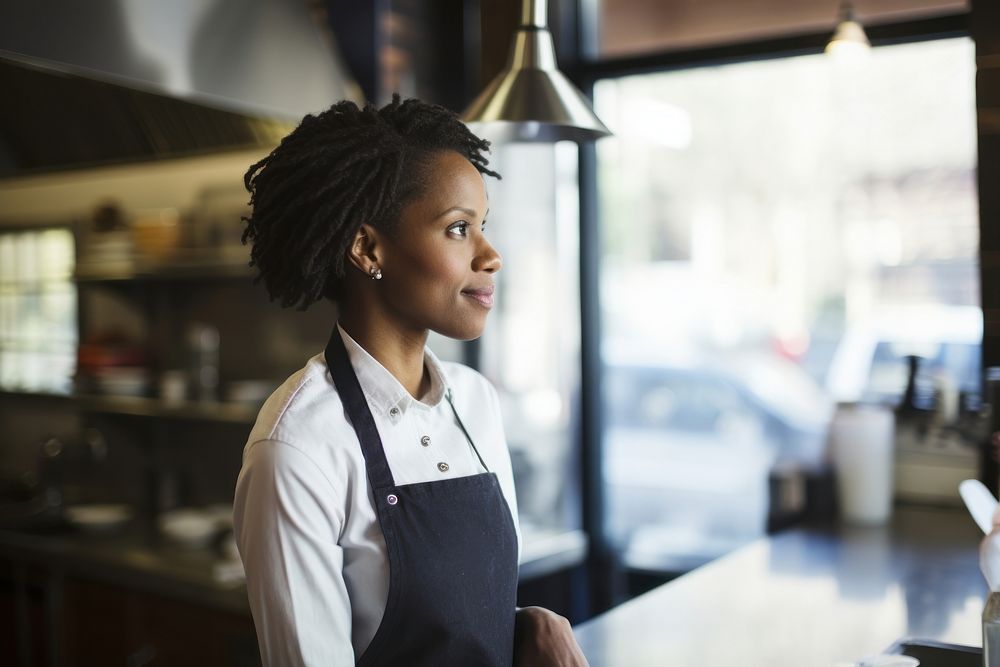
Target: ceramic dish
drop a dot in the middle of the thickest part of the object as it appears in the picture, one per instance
(98, 518)
(189, 526)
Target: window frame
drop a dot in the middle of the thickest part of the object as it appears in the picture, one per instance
(584, 67)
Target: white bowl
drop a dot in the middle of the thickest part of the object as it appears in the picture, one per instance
(188, 526)
(98, 517)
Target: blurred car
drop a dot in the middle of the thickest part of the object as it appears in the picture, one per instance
(870, 363)
(689, 445)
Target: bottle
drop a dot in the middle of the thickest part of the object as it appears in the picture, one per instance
(912, 419)
(908, 403)
(203, 343)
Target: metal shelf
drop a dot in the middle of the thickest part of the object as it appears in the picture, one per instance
(138, 406)
(153, 408)
(34, 395)
(189, 265)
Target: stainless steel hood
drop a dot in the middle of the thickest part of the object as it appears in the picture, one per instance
(117, 80)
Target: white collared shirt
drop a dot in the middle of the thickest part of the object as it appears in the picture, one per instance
(304, 516)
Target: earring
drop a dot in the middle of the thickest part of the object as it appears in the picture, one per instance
(375, 273)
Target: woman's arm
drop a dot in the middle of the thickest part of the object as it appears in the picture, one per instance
(287, 536)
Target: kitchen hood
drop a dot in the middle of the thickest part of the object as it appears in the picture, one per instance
(111, 81)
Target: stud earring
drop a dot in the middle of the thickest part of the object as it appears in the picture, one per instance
(375, 273)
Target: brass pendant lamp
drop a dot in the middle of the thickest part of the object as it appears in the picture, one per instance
(531, 100)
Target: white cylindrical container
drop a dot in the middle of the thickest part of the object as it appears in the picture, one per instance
(861, 447)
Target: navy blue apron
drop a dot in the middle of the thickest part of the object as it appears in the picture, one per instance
(452, 553)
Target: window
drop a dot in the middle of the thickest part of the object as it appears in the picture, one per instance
(531, 349)
(777, 235)
(38, 329)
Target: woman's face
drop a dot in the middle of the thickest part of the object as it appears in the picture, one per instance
(437, 265)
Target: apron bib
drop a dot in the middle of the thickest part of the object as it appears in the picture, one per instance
(452, 553)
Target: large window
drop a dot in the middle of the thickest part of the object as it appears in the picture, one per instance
(777, 236)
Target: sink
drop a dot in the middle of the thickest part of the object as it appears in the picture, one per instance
(938, 654)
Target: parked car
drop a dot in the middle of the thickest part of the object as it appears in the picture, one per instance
(688, 447)
(870, 363)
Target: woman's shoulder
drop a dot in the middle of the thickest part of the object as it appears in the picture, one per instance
(304, 409)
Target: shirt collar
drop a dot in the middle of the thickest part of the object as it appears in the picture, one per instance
(384, 392)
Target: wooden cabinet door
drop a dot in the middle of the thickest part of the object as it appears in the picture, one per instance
(107, 625)
(24, 629)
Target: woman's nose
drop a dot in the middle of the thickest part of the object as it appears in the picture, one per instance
(487, 259)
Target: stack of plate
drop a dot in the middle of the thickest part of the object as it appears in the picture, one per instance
(122, 380)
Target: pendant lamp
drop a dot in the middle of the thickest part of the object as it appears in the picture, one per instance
(849, 38)
(531, 100)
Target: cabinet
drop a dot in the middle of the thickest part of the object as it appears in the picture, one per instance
(106, 625)
(51, 619)
(23, 593)
(155, 455)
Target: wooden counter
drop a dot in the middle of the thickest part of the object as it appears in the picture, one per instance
(807, 597)
(130, 597)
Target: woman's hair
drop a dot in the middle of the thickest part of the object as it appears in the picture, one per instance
(335, 171)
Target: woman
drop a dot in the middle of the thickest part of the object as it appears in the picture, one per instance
(375, 510)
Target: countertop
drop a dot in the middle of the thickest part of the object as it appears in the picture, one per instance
(811, 596)
(141, 560)
(135, 559)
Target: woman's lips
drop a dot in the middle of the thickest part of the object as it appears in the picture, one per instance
(483, 296)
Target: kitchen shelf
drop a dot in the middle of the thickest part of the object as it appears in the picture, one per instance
(139, 406)
(34, 395)
(189, 265)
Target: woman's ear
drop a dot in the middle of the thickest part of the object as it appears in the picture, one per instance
(363, 252)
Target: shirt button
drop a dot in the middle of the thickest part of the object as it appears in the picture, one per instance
(443, 467)
(425, 441)
(394, 412)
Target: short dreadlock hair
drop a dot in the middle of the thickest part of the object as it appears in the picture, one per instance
(336, 171)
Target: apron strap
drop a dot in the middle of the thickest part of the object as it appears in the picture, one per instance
(379, 474)
(465, 431)
(358, 411)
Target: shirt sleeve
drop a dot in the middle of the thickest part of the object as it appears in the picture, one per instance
(287, 527)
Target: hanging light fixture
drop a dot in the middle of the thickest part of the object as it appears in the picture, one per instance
(849, 38)
(531, 100)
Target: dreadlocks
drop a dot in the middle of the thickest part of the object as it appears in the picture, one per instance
(336, 171)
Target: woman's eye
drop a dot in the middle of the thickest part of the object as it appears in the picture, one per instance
(460, 228)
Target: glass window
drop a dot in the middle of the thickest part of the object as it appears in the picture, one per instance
(531, 347)
(777, 236)
(38, 329)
